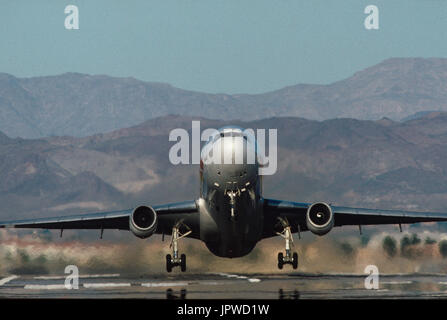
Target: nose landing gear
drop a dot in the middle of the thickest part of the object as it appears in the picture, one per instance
(289, 258)
(232, 194)
(174, 259)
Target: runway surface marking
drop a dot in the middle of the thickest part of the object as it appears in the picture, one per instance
(396, 282)
(105, 285)
(85, 285)
(164, 284)
(7, 279)
(228, 275)
(44, 286)
(155, 284)
(112, 285)
(86, 276)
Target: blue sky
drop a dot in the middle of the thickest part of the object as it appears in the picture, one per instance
(217, 46)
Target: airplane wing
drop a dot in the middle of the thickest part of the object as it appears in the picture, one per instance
(167, 214)
(295, 213)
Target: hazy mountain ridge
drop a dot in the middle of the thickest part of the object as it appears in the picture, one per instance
(80, 105)
(382, 164)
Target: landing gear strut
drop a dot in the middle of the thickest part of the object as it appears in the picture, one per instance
(232, 194)
(289, 258)
(174, 259)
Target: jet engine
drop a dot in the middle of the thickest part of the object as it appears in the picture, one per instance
(320, 218)
(143, 222)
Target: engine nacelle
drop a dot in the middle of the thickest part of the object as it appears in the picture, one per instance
(143, 221)
(320, 218)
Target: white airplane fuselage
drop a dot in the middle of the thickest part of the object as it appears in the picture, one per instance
(230, 204)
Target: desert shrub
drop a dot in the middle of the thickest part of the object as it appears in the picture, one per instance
(390, 246)
(364, 240)
(347, 249)
(443, 248)
(407, 244)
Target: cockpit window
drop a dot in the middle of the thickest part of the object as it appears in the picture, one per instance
(230, 134)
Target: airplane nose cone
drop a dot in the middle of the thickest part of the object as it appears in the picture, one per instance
(235, 150)
(230, 162)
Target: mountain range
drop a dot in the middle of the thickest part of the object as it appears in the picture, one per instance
(378, 164)
(81, 105)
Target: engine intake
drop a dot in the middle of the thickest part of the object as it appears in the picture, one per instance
(320, 218)
(143, 221)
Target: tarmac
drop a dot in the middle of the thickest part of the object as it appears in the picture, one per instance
(186, 285)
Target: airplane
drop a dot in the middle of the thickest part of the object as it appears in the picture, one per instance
(230, 215)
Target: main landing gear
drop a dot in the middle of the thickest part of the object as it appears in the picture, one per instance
(174, 260)
(288, 258)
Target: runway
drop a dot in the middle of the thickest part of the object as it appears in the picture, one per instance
(225, 286)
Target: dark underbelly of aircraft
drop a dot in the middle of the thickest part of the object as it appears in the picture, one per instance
(231, 249)
(235, 238)
(228, 235)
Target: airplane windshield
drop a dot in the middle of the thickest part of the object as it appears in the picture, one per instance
(230, 134)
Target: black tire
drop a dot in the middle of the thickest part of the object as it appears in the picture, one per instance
(280, 260)
(168, 263)
(295, 260)
(183, 262)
